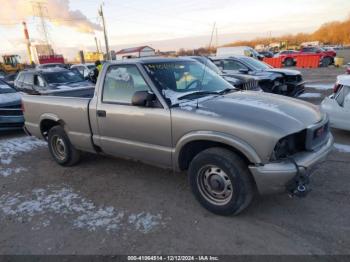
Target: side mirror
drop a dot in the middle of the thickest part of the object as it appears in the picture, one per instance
(244, 71)
(142, 98)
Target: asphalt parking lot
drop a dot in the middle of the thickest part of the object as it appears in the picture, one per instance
(107, 206)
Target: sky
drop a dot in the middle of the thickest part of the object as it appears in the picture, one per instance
(163, 24)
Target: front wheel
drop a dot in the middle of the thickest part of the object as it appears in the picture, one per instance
(221, 181)
(61, 149)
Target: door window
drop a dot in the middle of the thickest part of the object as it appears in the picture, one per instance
(39, 81)
(233, 65)
(342, 94)
(28, 79)
(121, 83)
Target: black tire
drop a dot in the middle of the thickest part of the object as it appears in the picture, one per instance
(288, 62)
(235, 171)
(327, 61)
(61, 149)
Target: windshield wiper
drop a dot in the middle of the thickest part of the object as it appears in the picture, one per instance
(198, 93)
(227, 90)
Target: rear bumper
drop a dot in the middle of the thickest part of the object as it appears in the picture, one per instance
(11, 122)
(273, 178)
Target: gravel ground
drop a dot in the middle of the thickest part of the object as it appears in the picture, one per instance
(108, 206)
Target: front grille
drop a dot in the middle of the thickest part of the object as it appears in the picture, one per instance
(251, 84)
(10, 112)
(12, 106)
(317, 135)
(11, 125)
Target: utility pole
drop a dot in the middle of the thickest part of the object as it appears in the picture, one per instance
(97, 49)
(212, 35)
(100, 12)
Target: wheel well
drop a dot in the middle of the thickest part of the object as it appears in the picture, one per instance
(190, 150)
(47, 124)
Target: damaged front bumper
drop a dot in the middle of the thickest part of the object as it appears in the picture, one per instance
(277, 177)
(295, 89)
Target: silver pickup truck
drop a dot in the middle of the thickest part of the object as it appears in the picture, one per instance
(178, 114)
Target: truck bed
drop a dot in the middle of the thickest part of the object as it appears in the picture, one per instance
(74, 92)
(71, 112)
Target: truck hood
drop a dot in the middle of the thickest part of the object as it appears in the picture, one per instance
(261, 110)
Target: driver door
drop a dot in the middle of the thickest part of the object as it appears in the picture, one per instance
(140, 133)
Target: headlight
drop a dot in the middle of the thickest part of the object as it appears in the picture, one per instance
(289, 146)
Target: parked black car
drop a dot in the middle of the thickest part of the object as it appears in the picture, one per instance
(53, 81)
(272, 80)
(267, 54)
(243, 82)
(11, 115)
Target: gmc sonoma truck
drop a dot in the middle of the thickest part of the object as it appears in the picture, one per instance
(178, 114)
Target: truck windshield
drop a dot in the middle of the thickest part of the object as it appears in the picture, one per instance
(5, 89)
(62, 77)
(182, 78)
(257, 65)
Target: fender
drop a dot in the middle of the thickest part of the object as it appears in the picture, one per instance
(53, 117)
(49, 116)
(223, 138)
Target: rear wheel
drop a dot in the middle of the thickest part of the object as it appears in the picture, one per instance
(289, 62)
(327, 61)
(221, 181)
(61, 149)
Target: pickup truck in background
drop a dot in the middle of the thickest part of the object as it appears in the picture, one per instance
(178, 114)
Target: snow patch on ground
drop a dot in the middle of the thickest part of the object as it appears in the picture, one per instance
(310, 95)
(342, 148)
(5, 172)
(13, 147)
(41, 204)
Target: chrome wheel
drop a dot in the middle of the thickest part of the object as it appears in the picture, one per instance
(58, 147)
(215, 185)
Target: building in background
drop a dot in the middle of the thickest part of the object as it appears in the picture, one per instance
(40, 50)
(135, 52)
(89, 57)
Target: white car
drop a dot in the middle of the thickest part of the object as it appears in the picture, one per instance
(337, 106)
(84, 69)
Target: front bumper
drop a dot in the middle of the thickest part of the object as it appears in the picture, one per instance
(8, 123)
(273, 178)
(296, 89)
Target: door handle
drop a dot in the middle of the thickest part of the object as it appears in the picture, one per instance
(101, 113)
